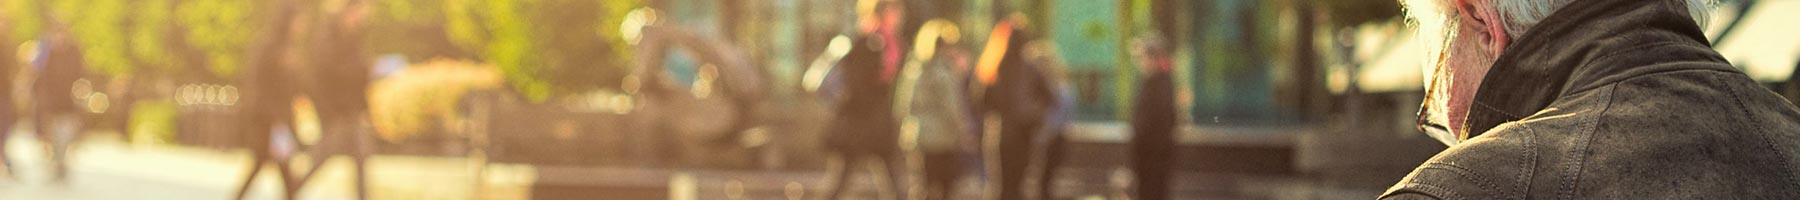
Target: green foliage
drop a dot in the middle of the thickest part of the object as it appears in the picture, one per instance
(149, 32)
(153, 122)
(123, 37)
(544, 46)
(221, 29)
(541, 47)
(24, 19)
(97, 28)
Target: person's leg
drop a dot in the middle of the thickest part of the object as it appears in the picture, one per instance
(941, 170)
(837, 173)
(1014, 148)
(68, 128)
(256, 163)
(7, 118)
(40, 130)
(1150, 163)
(933, 189)
(992, 156)
(1159, 176)
(362, 144)
(47, 127)
(888, 183)
(918, 174)
(1049, 159)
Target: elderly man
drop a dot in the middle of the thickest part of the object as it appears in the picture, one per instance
(1594, 99)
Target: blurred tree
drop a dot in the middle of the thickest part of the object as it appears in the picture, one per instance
(24, 19)
(416, 29)
(121, 37)
(221, 30)
(150, 34)
(97, 27)
(545, 46)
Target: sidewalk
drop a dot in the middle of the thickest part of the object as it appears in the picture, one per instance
(103, 167)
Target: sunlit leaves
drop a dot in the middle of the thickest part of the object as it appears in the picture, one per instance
(126, 37)
(544, 46)
(149, 30)
(24, 19)
(222, 29)
(97, 29)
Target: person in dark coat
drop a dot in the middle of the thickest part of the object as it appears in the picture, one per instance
(1153, 120)
(1020, 98)
(1050, 143)
(57, 117)
(865, 132)
(1597, 99)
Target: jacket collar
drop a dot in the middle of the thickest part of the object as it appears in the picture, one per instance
(1585, 45)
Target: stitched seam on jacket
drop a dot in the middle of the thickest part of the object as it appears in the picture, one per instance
(1447, 192)
(1503, 112)
(1429, 190)
(1751, 122)
(1651, 74)
(1530, 158)
(1631, 50)
(1486, 185)
(1585, 138)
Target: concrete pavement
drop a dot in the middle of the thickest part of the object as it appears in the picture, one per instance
(103, 167)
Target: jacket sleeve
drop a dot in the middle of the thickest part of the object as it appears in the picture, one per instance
(1448, 181)
(1496, 165)
(1408, 196)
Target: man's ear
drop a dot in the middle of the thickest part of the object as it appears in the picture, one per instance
(1498, 39)
(1488, 19)
(1495, 26)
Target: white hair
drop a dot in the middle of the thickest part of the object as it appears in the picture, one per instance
(1433, 21)
(1521, 15)
(1435, 29)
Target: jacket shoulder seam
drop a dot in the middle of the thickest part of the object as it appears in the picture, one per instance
(1585, 131)
(1751, 122)
(1652, 74)
(1531, 161)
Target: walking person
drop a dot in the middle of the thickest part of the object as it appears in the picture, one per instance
(865, 132)
(57, 118)
(1018, 101)
(8, 66)
(934, 111)
(1153, 120)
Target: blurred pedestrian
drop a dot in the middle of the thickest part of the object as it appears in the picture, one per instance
(1153, 120)
(265, 108)
(865, 132)
(338, 81)
(1021, 103)
(934, 110)
(10, 58)
(57, 117)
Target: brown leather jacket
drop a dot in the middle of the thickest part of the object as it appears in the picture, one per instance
(1617, 99)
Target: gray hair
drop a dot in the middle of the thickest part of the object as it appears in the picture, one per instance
(1521, 15)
